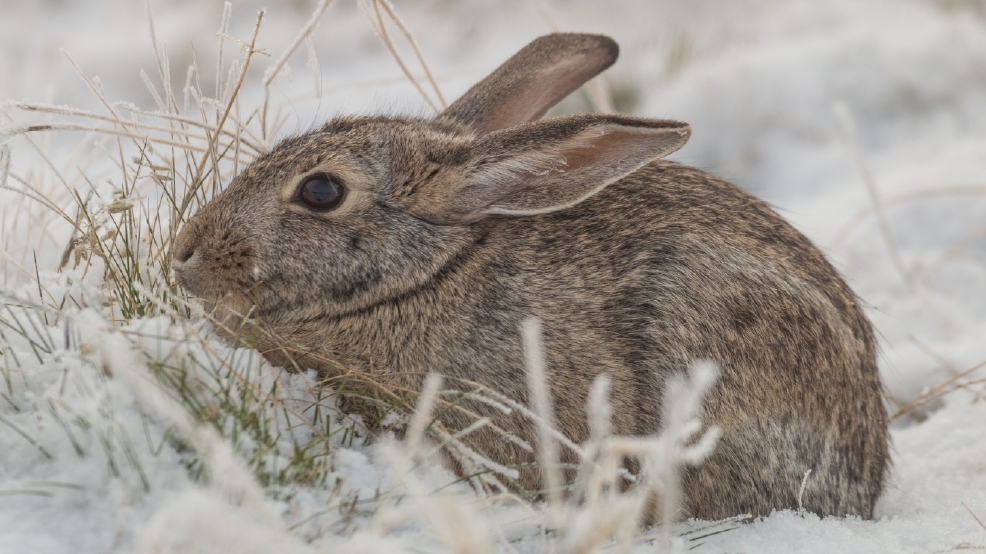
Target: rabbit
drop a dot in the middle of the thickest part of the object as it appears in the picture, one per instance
(398, 246)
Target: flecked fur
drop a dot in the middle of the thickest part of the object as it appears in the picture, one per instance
(636, 266)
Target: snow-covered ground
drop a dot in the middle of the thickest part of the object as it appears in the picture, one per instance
(862, 121)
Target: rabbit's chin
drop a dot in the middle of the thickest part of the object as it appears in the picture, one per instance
(238, 318)
(281, 343)
(232, 315)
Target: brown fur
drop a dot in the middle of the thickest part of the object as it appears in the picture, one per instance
(451, 235)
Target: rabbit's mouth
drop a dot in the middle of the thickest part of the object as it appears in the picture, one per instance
(232, 314)
(229, 303)
(238, 308)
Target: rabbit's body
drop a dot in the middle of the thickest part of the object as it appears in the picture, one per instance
(638, 276)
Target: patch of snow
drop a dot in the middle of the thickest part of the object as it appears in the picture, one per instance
(87, 463)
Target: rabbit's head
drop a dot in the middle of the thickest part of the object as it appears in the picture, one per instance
(366, 209)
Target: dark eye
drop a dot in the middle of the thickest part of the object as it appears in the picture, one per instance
(321, 192)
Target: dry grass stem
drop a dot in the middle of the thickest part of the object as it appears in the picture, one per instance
(278, 65)
(939, 390)
(852, 139)
(547, 449)
(376, 17)
(254, 144)
(214, 138)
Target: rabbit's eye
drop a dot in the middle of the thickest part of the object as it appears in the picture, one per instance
(321, 192)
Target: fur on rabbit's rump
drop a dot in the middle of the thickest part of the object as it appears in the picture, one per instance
(398, 246)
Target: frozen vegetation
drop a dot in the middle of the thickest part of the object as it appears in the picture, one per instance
(127, 426)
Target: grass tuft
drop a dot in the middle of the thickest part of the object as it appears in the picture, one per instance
(111, 315)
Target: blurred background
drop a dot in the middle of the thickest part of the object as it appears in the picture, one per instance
(757, 79)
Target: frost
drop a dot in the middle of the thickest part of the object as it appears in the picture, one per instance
(98, 456)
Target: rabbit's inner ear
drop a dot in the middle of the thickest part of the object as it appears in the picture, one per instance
(527, 85)
(548, 166)
(559, 176)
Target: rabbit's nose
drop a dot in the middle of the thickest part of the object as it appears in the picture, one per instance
(185, 244)
(182, 253)
(179, 260)
(182, 256)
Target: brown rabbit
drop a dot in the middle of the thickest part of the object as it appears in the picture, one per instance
(399, 246)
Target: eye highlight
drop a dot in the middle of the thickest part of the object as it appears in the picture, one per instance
(321, 192)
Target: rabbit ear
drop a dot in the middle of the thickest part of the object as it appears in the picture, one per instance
(532, 81)
(546, 166)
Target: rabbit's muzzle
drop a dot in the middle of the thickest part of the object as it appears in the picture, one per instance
(215, 261)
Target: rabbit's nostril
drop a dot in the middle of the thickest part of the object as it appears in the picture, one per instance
(184, 254)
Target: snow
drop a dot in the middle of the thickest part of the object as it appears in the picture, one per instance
(88, 464)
